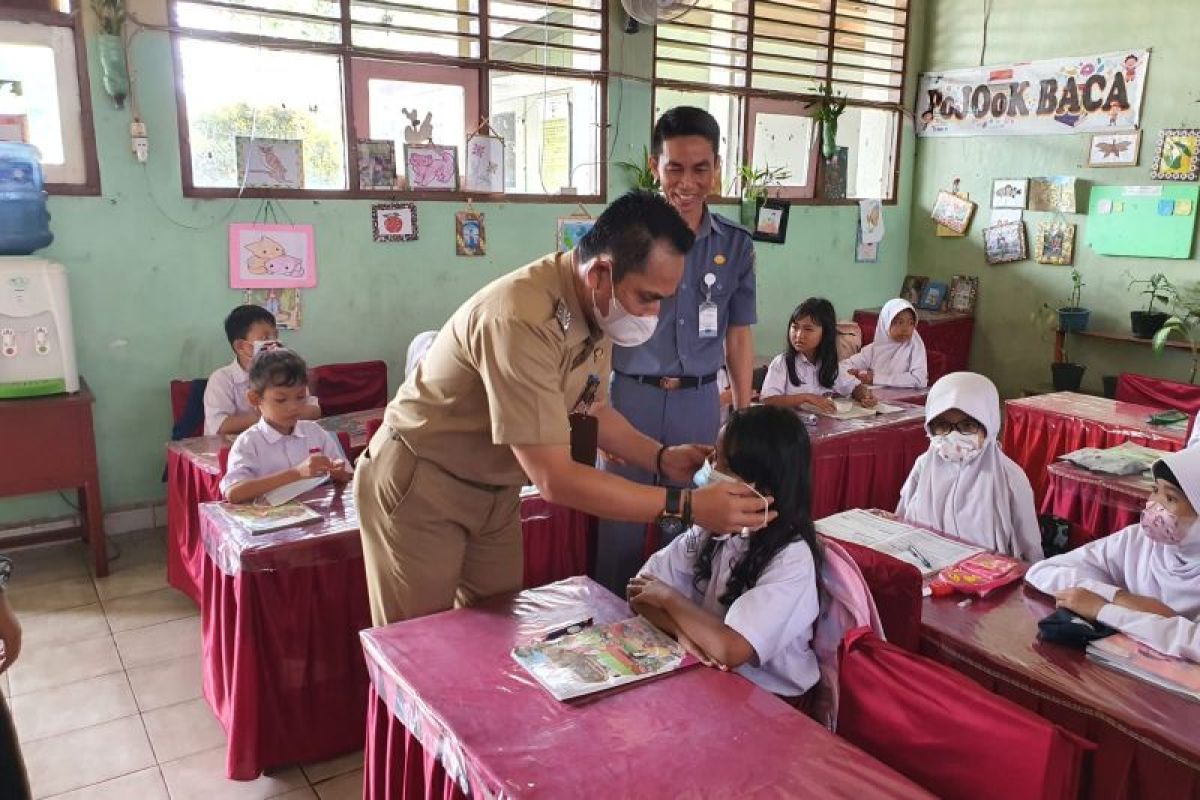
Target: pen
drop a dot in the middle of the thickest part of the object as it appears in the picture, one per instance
(588, 396)
(920, 557)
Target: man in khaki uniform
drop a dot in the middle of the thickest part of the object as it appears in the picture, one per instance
(438, 487)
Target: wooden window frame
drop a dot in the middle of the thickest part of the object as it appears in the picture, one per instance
(420, 64)
(90, 186)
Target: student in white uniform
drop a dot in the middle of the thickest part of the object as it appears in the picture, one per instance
(746, 602)
(417, 349)
(281, 447)
(896, 357)
(963, 484)
(807, 373)
(1143, 580)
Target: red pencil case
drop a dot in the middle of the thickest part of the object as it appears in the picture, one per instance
(978, 575)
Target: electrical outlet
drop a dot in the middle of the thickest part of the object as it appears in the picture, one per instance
(139, 142)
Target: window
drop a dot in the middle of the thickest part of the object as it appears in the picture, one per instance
(332, 73)
(773, 55)
(44, 96)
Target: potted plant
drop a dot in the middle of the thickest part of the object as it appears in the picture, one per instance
(755, 184)
(1065, 375)
(642, 176)
(1073, 317)
(1182, 327)
(1156, 289)
(827, 113)
(110, 43)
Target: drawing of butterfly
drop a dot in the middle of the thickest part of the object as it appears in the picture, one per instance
(1114, 148)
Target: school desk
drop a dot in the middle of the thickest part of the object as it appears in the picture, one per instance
(863, 463)
(1094, 503)
(894, 394)
(193, 477)
(945, 332)
(280, 615)
(1148, 740)
(49, 444)
(451, 715)
(1039, 429)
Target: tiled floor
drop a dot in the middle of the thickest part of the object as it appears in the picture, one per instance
(106, 693)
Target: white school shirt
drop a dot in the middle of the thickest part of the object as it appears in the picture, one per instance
(1130, 560)
(260, 450)
(225, 395)
(776, 616)
(777, 383)
(903, 365)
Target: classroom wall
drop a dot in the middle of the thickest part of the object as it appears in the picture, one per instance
(1007, 346)
(149, 276)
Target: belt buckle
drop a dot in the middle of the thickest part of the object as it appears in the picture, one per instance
(669, 384)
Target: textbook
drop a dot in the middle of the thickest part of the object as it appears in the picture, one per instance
(849, 409)
(925, 550)
(1120, 652)
(602, 657)
(262, 519)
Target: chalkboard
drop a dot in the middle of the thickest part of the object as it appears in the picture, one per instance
(1156, 221)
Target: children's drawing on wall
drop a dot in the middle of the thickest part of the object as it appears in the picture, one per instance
(376, 164)
(953, 211)
(431, 167)
(1114, 149)
(1010, 192)
(469, 236)
(394, 222)
(1055, 243)
(1054, 193)
(271, 256)
(570, 231)
(283, 303)
(270, 163)
(485, 164)
(870, 221)
(1176, 159)
(864, 252)
(1004, 243)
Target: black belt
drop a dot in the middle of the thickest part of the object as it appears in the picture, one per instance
(670, 384)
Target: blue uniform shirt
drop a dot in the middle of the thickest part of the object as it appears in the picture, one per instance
(676, 349)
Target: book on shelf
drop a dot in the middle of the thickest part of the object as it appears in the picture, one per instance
(927, 551)
(1120, 652)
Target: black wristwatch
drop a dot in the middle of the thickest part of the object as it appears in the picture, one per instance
(670, 521)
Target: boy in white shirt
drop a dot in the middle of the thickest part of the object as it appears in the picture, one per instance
(281, 447)
(226, 408)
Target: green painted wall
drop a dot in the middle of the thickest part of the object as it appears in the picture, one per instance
(149, 275)
(1006, 345)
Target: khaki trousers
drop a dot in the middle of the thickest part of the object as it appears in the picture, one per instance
(432, 541)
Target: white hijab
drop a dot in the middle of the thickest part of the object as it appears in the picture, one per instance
(1181, 562)
(890, 357)
(986, 501)
(417, 349)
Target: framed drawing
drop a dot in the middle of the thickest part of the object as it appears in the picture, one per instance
(469, 236)
(570, 231)
(394, 222)
(953, 212)
(1010, 192)
(913, 287)
(485, 164)
(933, 296)
(943, 231)
(431, 167)
(270, 163)
(1004, 243)
(771, 223)
(1053, 193)
(1176, 156)
(1114, 149)
(376, 164)
(271, 256)
(1055, 243)
(283, 303)
(964, 290)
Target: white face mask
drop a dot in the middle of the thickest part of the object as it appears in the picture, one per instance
(623, 328)
(267, 344)
(955, 446)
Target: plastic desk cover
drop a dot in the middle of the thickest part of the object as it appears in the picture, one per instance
(451, 681)
(1093, 503)
(1126, 419)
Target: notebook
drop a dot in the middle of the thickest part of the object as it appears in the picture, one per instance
(262, 519)
(849, 409)
(1176, 675)
(290, 491)
(925, 550)
(601, 658)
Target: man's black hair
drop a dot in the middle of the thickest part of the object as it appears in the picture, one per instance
(240, 320)
(629, 227)
(277, 367)
(685, 121)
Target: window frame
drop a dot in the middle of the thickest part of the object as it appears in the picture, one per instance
(747, 94)
(73, 19)
(348, 54)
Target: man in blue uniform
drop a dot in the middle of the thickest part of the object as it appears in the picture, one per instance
(667, 387)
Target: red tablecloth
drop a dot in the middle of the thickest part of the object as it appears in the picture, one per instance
(945, 332)
(447, 685)
(1148, 739)
(893, 394)
(1094, 503)
(863, 463)
(1037, 430)
(280, 614)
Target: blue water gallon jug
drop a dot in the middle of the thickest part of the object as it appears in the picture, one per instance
(24, 220)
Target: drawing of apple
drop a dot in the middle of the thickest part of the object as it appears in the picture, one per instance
(393, 223)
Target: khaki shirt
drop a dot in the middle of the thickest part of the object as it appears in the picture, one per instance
(502, 372)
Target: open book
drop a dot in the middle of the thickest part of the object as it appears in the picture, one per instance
(924, 549)
(1127, 655)
(290, 491)
(602, 657)
(261, 519)
(849, 409)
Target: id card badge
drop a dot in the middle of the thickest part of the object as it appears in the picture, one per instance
(708, 320)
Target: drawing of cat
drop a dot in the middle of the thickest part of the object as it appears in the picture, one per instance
(262, 253)
(432, 169)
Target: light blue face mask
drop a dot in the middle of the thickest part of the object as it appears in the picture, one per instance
(708, 474)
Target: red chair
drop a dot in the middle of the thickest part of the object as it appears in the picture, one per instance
(1158, 392)
(937, 365)
(896, 588)
(358, 386)
(187, 408)
(344, 442)
(948, 734)
(372, 426)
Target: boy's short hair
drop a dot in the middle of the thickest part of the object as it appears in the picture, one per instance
(242, 318)
(277, 367)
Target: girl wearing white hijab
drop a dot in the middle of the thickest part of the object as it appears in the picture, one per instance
(1143, 580)
(417, 349)
(964, 485)
(896, 357)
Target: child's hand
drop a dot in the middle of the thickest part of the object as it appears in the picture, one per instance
(698, 652)
(867, 376)
(648, 590)
(1083, 602)
(864, 395)
(822, 404)
(340, 471)
(1139, 602)
(315, 465)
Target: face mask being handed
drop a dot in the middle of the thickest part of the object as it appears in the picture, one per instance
(955, 447)
(1162, 526)
(708, 475)
(624, 328)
